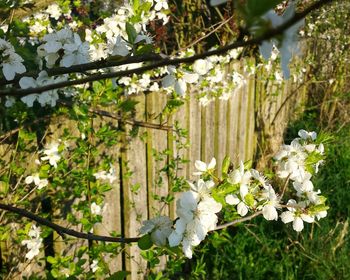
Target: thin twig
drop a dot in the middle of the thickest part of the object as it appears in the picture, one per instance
(208, 34)
(238, 221)
(93, 111)
(284, 187)
(286, 100)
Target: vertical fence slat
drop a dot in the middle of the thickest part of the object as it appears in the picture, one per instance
(242, 123)
(233, 122)
(111, 216)
(250, 127)
(157, 142)
(135, 202)
(220, 131)
(194, 123)
(207, 132)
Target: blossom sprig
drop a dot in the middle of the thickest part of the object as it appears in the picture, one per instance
(242, 190)
(298, 162)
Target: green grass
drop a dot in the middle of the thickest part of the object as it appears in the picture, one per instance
(272, 250)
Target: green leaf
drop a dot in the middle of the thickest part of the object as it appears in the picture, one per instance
(144, 49)
(145, 242)
(256, 8)
(120, 275)
(136, 4)
(249, 199)
(55, 273)
(131, 31)
(318, 208)
(172, 105)
(225, 166)
(226, 188)
(128, 105)
(51, 260)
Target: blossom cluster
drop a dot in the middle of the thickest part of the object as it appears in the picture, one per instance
(49, 97)
(64, 45)
(298, 162)
(119, 35)
(247, 190)
(254, 193)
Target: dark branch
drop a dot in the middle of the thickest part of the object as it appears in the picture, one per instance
(164, 62)
(81, 68)
(62, 230)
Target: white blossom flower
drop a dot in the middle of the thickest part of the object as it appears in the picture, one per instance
(306, 189)
(104, 175)
(240, 176)
(202, 66)
(161, 4)
(242, 207)
(269, 210)
(34, 243)
(117, 46)
(232, 199)
(160, 228)
(94, 266)
(154, 87)
(52, 154)
(54, 11)
(10, 61)
(49, 97)
(143, 37)
(294, 215)
(202, 188)
(202, 167)
(307, 135)
(180, 84)
(197, 216)
(95, 209)
(98, 51)
(53, 43)
(75, 52)
(40, 183)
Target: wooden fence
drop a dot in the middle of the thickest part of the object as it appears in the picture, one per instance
(245, 124)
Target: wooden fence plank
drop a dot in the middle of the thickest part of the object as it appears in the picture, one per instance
(157, 143)
(194, 125)
(221, 107)
(207, 133)
(135, 192)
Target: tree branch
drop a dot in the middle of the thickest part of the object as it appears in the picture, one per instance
(62, 230)
(167, 61)
(81, 68)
